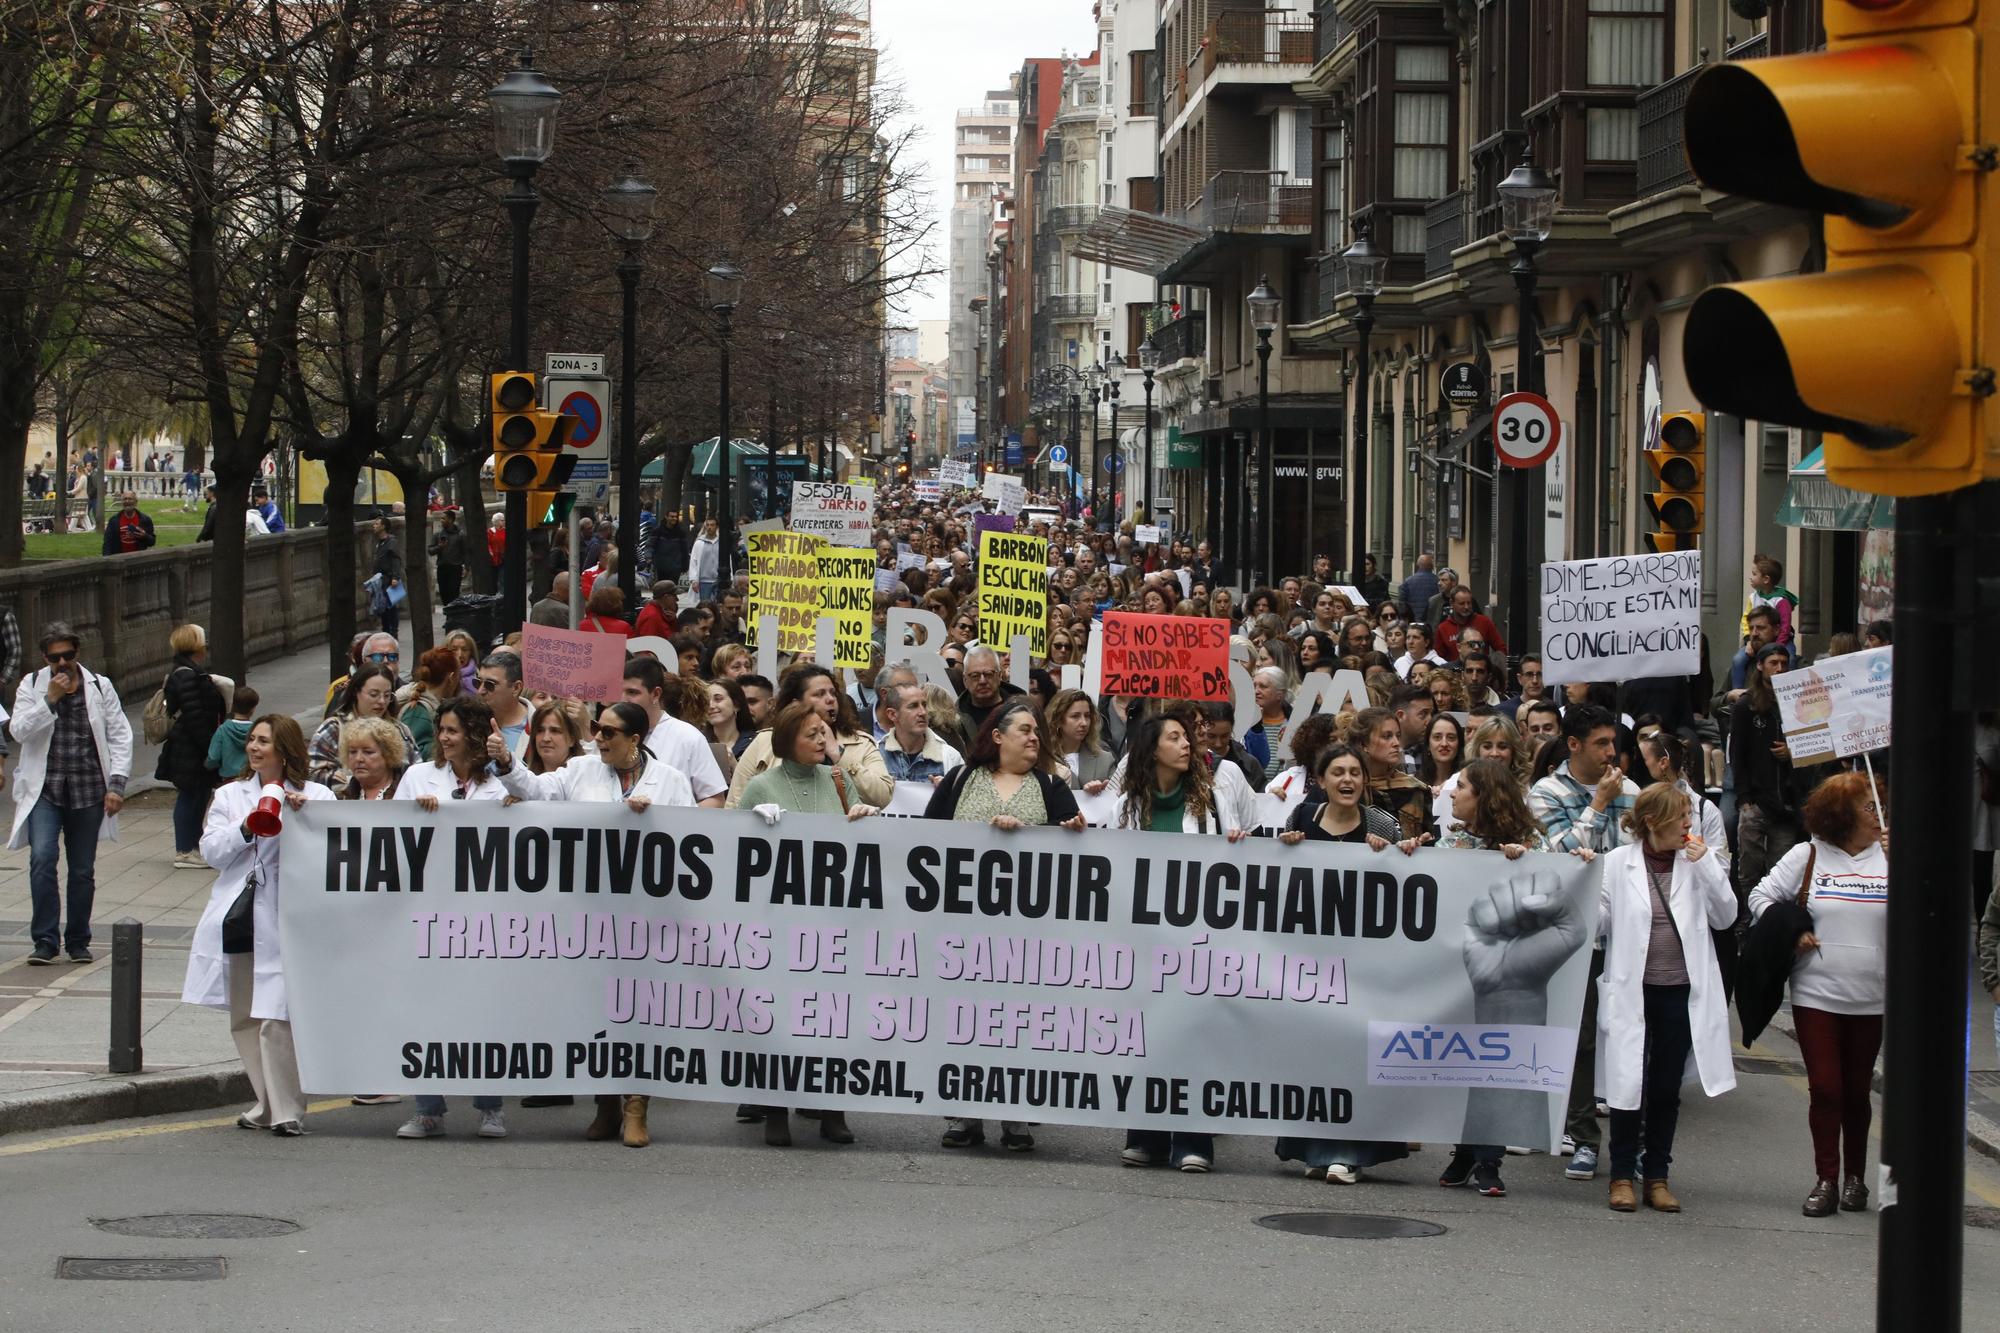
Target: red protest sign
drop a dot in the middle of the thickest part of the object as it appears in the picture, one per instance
(1166, 657)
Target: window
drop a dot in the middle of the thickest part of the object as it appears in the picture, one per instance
(1332, 190)
(1422, 163)
(1142, 67)
(1627, 43)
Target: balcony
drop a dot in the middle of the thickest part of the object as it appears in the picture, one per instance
(1252, 201)
(1249, 37)
(1332, 282)
(1069, 305)
(1663, 161)
(1181, 339)
(1330, 30)
(1071, 217)
(1444, 232)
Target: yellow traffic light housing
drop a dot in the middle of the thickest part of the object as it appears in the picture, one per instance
(1680, 468)
(528, 452)
(1887, 351)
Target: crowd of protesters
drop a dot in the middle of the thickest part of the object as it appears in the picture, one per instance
(1725, 868)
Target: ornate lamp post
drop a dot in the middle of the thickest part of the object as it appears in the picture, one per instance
(1263, 304)
(1365, 267)
(725, 289)
(1527, 215)
(629, 200)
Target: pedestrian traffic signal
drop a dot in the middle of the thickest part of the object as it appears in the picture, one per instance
(1680, 467)
(550, 509)
(528, 452)
(1886, 132)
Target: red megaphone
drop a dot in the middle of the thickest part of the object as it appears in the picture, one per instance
(264, 820)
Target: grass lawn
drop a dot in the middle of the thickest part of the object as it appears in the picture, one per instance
(170, 526)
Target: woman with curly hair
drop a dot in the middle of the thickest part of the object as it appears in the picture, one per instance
(1378, 734)
(1166, 788)
(1317, 652)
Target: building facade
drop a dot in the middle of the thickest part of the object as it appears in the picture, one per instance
(982, 175)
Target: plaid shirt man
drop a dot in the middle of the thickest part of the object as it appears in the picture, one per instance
(75, 778)
(1561, 805)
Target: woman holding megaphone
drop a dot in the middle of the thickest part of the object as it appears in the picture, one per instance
(233, 960)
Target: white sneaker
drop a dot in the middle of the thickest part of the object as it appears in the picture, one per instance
(1195, 1163)
(492, 1125)
(1340, 1173)
(190, 861)
(1514, 1151)
(1568, 1145)
(421, 1127)
(1137, 1157)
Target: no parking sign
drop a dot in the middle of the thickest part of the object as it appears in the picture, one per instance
(586, 397)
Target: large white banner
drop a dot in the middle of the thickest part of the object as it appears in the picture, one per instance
(1622, 617)
(1837, 707)
(1115, 978)
(842, 513)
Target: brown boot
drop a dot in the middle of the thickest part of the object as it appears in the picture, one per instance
(634, 1130)
(777, 1127)
(605, 1126)
(1623, 1197)
(1661, 1199)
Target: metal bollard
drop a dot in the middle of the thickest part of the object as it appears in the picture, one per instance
(128, 951)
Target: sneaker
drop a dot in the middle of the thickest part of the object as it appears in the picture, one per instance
(1138, 1157)
(82, 954)
(1014, 1137)
(288, 1129)
(1601, 1111)
(1568, 1145)
(375, 1099)
(1340, 1173)
(1582, 1165)
(1456, 1171)
(421, 1127)
(42, 958)
(1514, 1150)
(1194, 1163)
(245, 1122)
(749, 1115)
(1486, 1179)
(963, 1133)
(189, 861)
(492, 1125)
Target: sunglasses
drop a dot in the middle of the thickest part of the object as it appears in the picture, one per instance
(611, 731)
(379, 658)
(486, 686)
(60, 658)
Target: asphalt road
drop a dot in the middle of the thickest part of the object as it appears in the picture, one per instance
(709, 1230)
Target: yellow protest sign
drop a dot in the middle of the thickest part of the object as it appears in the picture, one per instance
(1013, 590)
(784, 582)
(847, 593)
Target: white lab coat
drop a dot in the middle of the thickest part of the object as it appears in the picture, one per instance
(428, 778)
(1235, 805)
(34, 723)
(588, 778)
(222, 846)
(1701, 901)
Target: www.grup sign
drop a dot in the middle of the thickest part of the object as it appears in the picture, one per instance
(1166, 657)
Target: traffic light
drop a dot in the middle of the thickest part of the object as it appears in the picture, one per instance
(1886, 132)
(1680, 466)
(550, 509)
(528, 452)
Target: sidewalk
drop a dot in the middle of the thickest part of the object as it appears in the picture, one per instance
(55, 1022)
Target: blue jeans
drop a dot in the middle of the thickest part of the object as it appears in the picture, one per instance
(1669, 1038)
(77, 830)
(190, 806)
(429, 1105)
(707, 589)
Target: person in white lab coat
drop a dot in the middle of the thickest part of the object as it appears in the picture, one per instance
(252, 986)
(1661, 1013)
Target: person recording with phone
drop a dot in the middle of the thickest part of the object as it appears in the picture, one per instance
(75, 753)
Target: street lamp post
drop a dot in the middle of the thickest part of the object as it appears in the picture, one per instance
(1149, 362)
(1075, 442)
(629, 199)
(725, 289)
(1527, 215)
(1263, 304)
(1365, 267)
(523, 105)
(1114, 374)
(776, 338)
(1093, 389)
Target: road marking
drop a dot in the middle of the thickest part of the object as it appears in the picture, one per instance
(146, 1131)
(43, 996)
(1986, 1193)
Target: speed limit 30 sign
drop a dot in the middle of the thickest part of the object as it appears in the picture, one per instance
(1526, 430)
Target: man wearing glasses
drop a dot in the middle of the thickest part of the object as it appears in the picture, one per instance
(499, 685)
(69, 784)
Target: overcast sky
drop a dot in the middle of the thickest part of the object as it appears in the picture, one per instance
(945, 54)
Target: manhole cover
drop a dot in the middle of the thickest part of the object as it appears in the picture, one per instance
(1749, 1065)
(1983, 1217)
(1350, 1226)
(141, 1270)
(196, 1226)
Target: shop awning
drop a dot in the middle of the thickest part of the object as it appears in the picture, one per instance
(1815, 501)
(1142, 242)
(702, 464)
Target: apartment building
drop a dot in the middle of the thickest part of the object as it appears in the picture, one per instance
(1420, 110)
(982, 174)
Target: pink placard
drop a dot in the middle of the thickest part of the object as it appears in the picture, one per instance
(571, 664)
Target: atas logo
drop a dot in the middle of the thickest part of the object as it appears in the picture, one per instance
(1472, 1055)
(1429, 1043)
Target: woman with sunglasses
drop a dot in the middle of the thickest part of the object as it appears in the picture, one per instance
(370, 692)
(621, 770)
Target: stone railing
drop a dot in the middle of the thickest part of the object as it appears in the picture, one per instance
(125, 606)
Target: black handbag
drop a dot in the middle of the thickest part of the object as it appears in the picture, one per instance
(239, 930)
